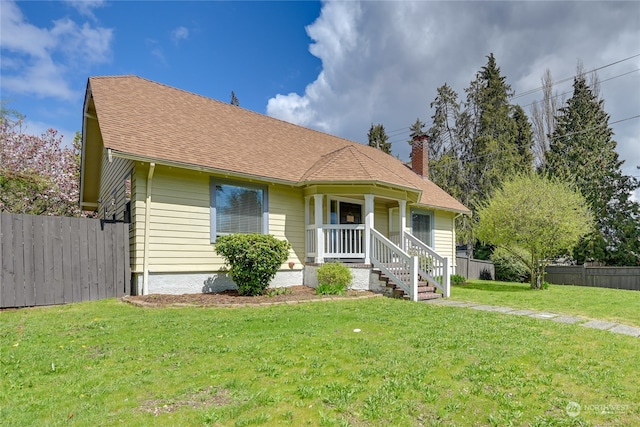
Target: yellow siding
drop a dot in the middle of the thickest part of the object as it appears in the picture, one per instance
(443, 235)
(179, 237)
(381, 218)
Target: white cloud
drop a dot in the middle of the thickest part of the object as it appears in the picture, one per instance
(86, 7)
(383, 61)
(179, 33)
(40, 60)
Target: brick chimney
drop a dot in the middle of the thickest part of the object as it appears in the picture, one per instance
(420, 156)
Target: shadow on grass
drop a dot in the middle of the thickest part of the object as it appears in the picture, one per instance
(499, 287)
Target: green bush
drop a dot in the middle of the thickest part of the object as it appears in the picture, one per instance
(333, 279)
(254, 259)
(508, 267)
(485, 274)
(457, 279)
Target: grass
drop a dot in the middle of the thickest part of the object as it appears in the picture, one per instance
(607, 304)
(109, 363)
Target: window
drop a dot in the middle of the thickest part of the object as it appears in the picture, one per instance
(422, 226)
(238, 207)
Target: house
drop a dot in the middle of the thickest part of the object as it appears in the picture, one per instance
(183, 169)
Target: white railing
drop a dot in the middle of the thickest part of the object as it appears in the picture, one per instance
(343, 240)
(340, 241)
(398, 265)
(433, 268)
(311, 240)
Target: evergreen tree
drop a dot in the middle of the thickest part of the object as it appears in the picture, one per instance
(378, 138)
(523, 141)
(582, 152)
(234, 99)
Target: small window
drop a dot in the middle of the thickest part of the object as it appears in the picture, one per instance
(422, 226)
(238, 208)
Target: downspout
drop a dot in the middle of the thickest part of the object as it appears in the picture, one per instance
(147, 218)
(454, 262)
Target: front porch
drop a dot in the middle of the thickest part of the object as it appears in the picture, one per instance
(339, 228)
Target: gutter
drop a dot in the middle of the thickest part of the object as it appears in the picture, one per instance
(147, 218)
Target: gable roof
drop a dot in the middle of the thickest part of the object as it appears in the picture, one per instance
(148, 120)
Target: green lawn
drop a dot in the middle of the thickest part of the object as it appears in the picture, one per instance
(608, 304)
(108, 363)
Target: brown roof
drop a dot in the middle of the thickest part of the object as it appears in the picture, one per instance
(145, 119)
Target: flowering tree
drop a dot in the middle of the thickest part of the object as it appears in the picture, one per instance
(38, 174)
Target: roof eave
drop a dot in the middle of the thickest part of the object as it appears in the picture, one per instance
(200, 168)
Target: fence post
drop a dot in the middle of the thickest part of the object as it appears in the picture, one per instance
(584, 275)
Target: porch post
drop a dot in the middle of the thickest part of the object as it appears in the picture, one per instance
(317, 206)
(403, 221)
(368, 225)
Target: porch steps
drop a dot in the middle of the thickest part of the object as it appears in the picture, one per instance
(425, 291)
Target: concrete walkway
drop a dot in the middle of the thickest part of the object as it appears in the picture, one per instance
(616, 328)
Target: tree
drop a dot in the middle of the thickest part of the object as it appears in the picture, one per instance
(543, 116)
(378, 138)
(544, 217)
(38, 175)
(582, 152)
(234, 99)
(475, 145)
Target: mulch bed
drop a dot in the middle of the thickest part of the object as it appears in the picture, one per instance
(290, 295)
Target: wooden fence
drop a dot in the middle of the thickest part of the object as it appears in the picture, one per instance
(601, 277)
(471, 268)
(56, 260)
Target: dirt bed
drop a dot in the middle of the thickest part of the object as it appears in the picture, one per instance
(290, 295)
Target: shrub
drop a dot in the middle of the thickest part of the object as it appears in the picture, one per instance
(457, 279)
(485, 274)
(254, 259)
(333, 279)
(508, 267)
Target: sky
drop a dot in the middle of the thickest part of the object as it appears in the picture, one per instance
(338, 67)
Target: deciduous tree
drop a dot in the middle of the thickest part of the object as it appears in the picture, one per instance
(543, 216)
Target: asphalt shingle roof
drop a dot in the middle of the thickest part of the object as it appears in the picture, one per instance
(142, 118)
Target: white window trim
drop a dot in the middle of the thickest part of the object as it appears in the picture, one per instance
(213, 182)
(432, 222)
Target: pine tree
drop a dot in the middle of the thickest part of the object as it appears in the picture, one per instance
(234, 99)
(582, 151)
(378, 138)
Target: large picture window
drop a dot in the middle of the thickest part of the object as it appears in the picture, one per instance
(238, 207)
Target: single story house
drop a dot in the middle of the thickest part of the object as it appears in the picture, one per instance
(183, 169)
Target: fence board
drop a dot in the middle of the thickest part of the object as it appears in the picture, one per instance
(38, 261)
(28, 271)
(83, 243)
(67, 260)
(108, 256)
(471, 269)
(18, 259)
(76, 286)
(55, 231)
(8, 284)
(53, 260)
(100, 263)
(93, 261)
(601, 277)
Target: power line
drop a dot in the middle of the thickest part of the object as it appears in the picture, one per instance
(529, 92)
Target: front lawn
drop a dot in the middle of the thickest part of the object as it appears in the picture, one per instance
(374, 362)
(616, 305)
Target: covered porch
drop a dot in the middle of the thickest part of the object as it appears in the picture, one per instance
(374, 228)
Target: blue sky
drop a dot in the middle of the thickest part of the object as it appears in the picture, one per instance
(333, 66)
